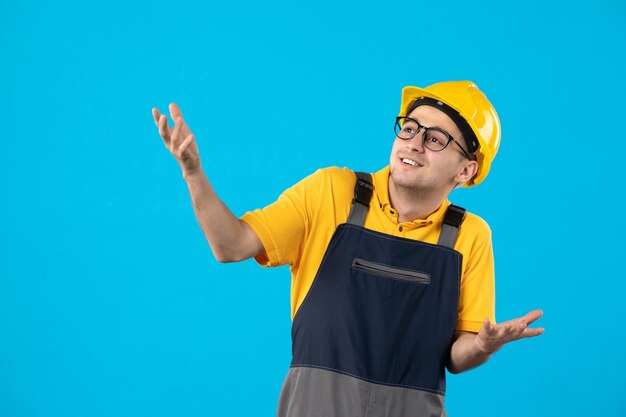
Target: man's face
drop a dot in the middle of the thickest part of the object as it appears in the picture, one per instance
(414, 167)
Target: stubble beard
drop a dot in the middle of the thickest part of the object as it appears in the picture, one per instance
(417, 187)
(410, 187)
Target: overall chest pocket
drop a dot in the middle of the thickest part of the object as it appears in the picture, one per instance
(388, 271)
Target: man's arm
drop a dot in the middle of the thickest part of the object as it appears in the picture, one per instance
(470, 350)
(230, 239)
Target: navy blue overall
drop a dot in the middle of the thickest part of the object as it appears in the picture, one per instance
(373, 334)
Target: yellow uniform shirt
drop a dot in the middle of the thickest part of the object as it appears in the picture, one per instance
(296, 229)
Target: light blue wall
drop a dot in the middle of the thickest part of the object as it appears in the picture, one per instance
(110, 301)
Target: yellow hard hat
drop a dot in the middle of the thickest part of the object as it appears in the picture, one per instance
(472, 105)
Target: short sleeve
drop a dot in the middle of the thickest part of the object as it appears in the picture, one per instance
(284, 225)
(477, 295)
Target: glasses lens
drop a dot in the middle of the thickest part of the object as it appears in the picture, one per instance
(436, 140)
(405, 129)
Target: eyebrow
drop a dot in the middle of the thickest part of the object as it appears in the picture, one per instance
(431, 127)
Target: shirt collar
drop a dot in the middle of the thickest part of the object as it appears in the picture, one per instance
(380, 181)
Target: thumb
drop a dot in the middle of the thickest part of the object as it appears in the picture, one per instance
(488, 327)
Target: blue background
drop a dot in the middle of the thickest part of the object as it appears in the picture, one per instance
(111, 303)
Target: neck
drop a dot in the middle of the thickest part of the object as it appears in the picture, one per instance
(414, 204)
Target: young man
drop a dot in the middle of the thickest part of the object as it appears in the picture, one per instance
(391, 283)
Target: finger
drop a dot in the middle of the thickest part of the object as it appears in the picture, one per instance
(504, 332)
(511, 330)
(176, 134)
(175, 112)
(532, 316)
(186, 144)
(521, 326)
(533, 332)
(156, 115)
(180, 122)
(489, 328)
(163, 131)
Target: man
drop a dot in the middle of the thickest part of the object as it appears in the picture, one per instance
(391, 283)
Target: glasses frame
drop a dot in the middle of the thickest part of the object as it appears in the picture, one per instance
(425, 130)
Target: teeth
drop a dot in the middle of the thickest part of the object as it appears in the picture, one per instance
(410, 162)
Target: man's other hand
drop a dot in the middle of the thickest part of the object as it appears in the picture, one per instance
(178, 140)
(492, 337)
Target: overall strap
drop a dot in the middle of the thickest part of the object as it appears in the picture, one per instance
(361, 201)
(451, 222)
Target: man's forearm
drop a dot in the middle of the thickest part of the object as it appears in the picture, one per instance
(465, 353)
(226, 234)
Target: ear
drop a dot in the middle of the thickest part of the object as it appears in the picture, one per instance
(467, 172)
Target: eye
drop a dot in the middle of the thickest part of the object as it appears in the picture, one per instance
(409, 127)
(436, 140)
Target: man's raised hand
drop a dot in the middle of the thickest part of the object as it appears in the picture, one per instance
(178, 140)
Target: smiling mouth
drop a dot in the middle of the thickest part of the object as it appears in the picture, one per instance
(407, 161)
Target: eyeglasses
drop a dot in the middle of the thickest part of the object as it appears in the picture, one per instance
(433, 138)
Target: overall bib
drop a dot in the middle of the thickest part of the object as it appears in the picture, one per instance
(373, 334)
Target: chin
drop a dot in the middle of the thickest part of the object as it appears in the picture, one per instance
(403, 180)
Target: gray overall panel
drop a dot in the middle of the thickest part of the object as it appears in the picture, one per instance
(314, 392)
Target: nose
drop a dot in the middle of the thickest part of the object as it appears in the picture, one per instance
(416, 143)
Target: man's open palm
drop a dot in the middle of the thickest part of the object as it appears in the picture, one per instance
(492, 337)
